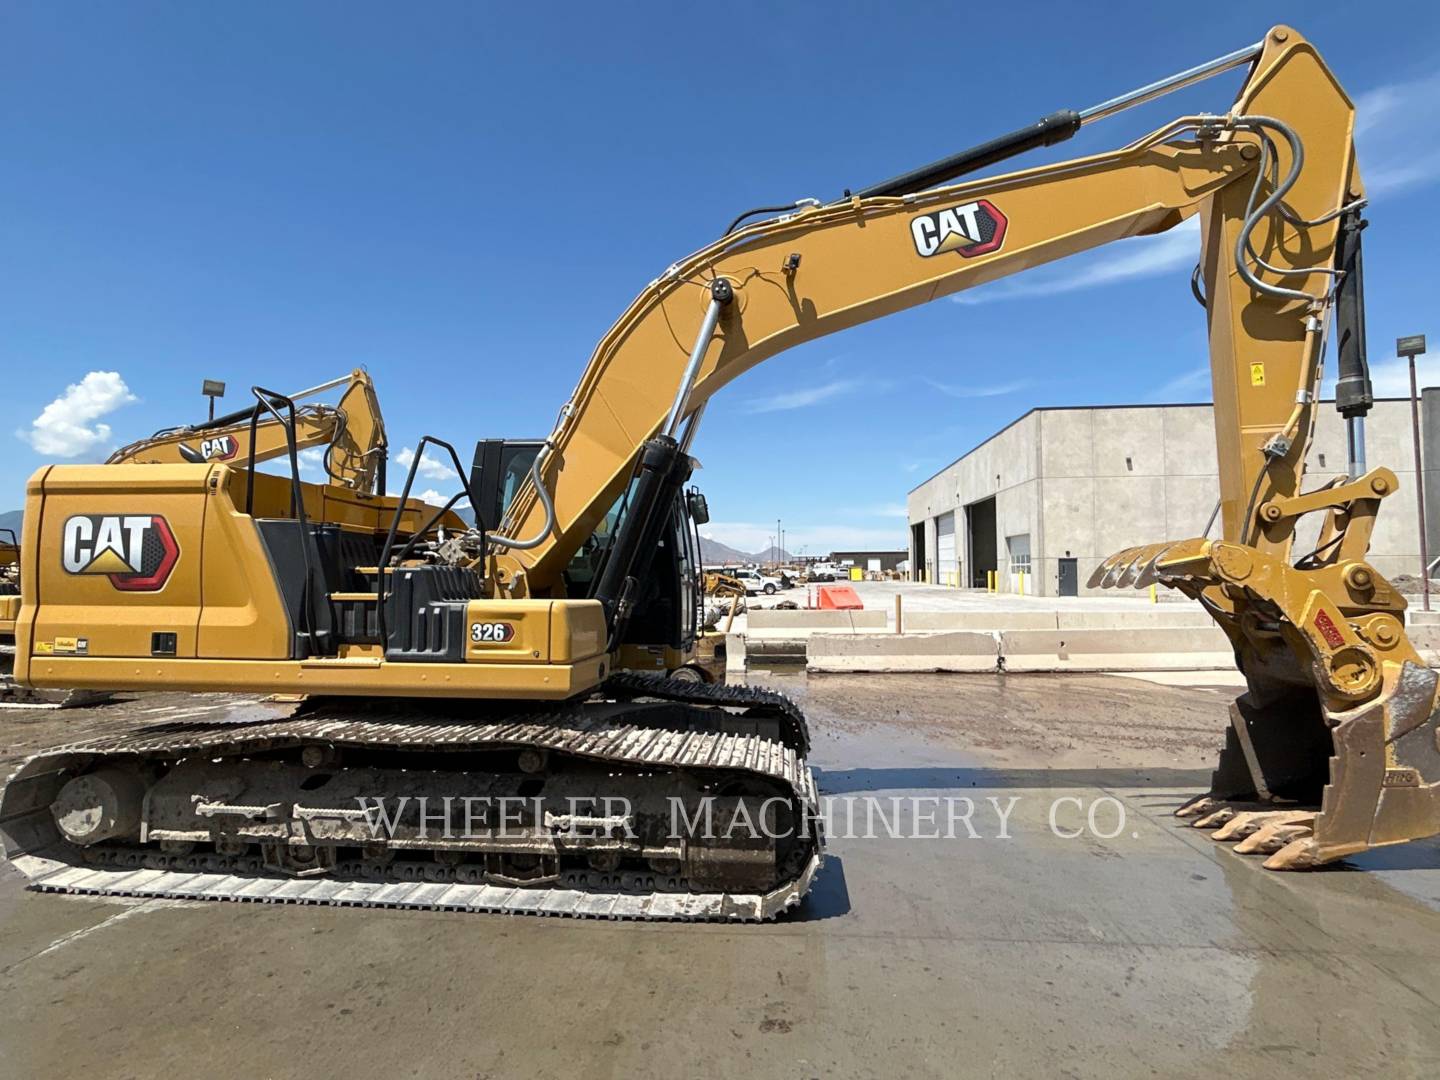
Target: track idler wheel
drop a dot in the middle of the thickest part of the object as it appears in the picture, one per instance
(102, 805)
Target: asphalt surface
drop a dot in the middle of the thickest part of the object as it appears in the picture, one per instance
(1153, 952)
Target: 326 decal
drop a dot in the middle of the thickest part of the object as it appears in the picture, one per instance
(493, 633)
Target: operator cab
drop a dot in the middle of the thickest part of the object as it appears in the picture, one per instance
(668, 607)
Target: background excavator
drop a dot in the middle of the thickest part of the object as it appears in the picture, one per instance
(352, 431)
(498, 664)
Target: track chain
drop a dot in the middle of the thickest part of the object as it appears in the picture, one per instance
(794, 732)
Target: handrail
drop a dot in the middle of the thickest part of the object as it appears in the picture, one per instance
(385, 551)
(268, 399)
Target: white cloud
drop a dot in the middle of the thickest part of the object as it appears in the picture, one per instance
(431, 468)
(1137, 257)
(68, 426)
(960, 390)
(431, 496)
(312, 460)
(1188, 385)
(799, 399)
(1395, 135)
(886, 510)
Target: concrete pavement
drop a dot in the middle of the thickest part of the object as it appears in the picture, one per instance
(1155, 951)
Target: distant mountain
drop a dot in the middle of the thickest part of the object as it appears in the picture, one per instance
(11, 519)
(714, 553)
(771, 554)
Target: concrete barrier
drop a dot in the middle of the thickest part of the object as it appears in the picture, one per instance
(1169, 615)
(772, 619)
(978, 620)
(1161, 649)
(1159, 616)
(734, 654)
(956, 651)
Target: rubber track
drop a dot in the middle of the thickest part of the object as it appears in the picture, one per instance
(794, 732)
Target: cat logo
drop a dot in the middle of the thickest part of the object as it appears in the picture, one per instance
(135, 551)
(973, 228)
(220, 448)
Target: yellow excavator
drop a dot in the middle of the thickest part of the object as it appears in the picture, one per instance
(352, 432)
(476, 736)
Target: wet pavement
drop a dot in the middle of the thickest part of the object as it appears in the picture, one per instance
(1154, 951)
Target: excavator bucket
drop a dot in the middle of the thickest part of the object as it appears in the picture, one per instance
(1334, 748)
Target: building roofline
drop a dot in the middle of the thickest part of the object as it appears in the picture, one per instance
(1082, 408)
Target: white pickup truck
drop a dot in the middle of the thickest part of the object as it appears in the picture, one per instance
(756, 582)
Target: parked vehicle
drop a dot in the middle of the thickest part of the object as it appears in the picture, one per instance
(756, 582)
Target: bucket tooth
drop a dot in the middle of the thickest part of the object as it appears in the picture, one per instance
(1102, 576)
(1142, 566)
(1215, 818)
(1301, 854)
(1117, 565)
(1198, 807)
(1272, 837)
(1141, 573)
(1245, 825)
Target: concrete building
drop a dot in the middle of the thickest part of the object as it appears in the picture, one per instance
(1042, 502)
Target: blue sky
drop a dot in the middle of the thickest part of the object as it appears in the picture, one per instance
(463, 197)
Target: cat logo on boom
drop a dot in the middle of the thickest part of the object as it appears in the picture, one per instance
(971, 229)
(220, 448)
(135, 551)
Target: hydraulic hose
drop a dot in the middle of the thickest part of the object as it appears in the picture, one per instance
(540, 493)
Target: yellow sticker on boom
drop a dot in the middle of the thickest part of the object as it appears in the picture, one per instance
(1257, 374)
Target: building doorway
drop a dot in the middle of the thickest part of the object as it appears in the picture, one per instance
(1069, 577)
(947, 568)
(980, 546)
(918, 568)
(1017, 551)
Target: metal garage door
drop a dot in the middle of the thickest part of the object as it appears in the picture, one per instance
(947, 570)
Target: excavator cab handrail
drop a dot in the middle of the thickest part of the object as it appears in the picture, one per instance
(318, 635)
(385, 551)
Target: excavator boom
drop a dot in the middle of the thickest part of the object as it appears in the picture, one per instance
(592, 563)
(352, 432)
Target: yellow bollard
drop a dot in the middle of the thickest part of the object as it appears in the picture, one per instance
(1022, 582)
(1154, 598)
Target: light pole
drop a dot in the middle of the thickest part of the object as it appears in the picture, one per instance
(1411, 347)
(212, 389)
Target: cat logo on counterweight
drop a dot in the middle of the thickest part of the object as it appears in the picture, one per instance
(135, 551)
